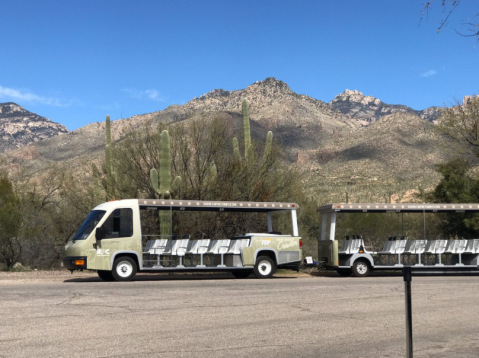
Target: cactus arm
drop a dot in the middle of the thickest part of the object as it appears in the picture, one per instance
(267, 148)
(176, 184)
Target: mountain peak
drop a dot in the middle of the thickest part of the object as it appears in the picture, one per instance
(19, 127)
(356, 97)
(270, 83)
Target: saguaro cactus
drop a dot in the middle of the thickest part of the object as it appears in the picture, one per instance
(248, 150)
(161, 182)
(109, 170)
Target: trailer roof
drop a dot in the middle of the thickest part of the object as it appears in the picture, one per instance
(208, 205)
(398, 208)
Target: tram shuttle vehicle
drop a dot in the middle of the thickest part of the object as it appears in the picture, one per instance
(112, 241)
(424, 255)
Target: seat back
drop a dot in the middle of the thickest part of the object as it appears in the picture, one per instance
(162, 246)
(410, 247)
(345, 245)
(179, 247)
(451, 246)
(420, 246)
(203, 245)
(214, 246)
(223, 246)
(461, 246)
(149, 246)
(193, 247)
(441, 246)
(469, 246)
(400, 246)
(431, 246)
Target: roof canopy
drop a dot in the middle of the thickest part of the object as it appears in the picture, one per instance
(199, 205)
(398, 208)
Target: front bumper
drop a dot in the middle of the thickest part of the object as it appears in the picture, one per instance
(75, 263)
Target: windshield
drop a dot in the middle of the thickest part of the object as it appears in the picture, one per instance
(88, 225)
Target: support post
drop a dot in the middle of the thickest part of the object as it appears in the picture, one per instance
(407, 291)
(269, 221)
(332, 232)
(324, 222)
(295, 223)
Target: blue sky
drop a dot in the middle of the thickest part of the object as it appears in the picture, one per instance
(77, 61)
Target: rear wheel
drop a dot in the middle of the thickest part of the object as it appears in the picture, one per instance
(241, 273)
(105, 275)
(124, 269)
(264, 267)
(361, 268)
(344, 272)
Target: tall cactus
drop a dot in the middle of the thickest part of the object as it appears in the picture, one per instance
(109, 168)
(161, 182)
(248, 146)
(248, 150)
(268, 145)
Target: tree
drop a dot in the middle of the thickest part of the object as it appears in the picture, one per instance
(461, 122)
(457, 186)
(10, 223)
(449, 7)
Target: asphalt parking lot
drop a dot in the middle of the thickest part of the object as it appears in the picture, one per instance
(62, 315)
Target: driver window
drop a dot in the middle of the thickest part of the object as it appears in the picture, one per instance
(119, 224)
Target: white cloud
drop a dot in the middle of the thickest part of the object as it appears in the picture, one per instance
(27, 96)
(428, 73)
(151, 94)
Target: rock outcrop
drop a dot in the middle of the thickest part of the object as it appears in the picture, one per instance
(19, 127)
(368, 109)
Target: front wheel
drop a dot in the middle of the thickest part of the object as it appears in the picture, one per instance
(124, 269)
(361, 268)
(264, 267)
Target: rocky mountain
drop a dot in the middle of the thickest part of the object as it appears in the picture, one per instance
(19, 127)
(355, 144)
(368, 109)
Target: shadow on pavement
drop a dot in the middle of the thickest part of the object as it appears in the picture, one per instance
(334, 274)
(143, 277)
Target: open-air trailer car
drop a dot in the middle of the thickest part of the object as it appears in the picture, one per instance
(111, 241)
(353, 258)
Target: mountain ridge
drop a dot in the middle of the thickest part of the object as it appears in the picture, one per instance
(20, 127)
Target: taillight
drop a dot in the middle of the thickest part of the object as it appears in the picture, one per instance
(300, 243)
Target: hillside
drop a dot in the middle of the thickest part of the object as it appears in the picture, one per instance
(19, 127)
(355, 143)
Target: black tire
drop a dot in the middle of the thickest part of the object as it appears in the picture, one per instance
(105, 275)
(264, 267)
(241, 273)
(344, 272)
(124, 269)
(361, 268)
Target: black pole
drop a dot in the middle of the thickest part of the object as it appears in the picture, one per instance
(407, 290)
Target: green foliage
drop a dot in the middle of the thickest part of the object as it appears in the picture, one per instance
(10, 223)
(457, 186)
(461, 122)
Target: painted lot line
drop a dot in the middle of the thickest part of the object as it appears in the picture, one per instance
(184, 316)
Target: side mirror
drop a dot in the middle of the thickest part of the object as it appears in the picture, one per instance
(100, 233)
